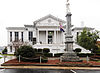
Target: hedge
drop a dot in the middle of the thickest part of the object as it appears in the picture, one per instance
(85, 54)
(77, 50)
(35, 59)
(46, 50)
(58, 54)
(39, 54)
(48, 54)
(36, 50)
(40, 50)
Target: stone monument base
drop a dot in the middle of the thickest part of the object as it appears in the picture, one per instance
(70, 57)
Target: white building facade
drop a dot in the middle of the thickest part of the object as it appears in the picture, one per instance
(44, 33)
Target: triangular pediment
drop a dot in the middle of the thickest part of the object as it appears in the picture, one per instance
(48, 19)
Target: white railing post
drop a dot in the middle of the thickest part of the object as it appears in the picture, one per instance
(87, 58)
(4, 59)
(40, 59)
(19, 58)
(61, 59)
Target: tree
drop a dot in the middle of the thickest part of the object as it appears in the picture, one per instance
(88, 40)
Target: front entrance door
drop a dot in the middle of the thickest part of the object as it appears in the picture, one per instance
(49, 39)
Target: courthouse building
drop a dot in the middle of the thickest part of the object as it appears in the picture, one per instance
(43, 33)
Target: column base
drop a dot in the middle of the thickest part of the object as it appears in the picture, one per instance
(70, 57)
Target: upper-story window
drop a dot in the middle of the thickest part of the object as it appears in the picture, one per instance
(16, 36)
(10, 36)
(22, 36)
(30, 35)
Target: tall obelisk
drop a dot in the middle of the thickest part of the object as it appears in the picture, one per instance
(69, 55)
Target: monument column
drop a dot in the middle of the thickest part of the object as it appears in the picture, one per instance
(69, 55)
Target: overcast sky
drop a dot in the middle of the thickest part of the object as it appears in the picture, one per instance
(16, 13)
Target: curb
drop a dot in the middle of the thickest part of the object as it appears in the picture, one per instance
(58, 65)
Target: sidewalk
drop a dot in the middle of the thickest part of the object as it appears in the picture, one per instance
(48, 67)
(7, 59)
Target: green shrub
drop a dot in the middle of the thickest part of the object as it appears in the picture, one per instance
(38, 54)
(40, 50)
(35, 59)
(85, 54)
(77, 50)
(98, 54)
(25, 51)
(36, 50)
(46, 50)
(4, 51)
(58, 54)
(48, 54)
(97, 51)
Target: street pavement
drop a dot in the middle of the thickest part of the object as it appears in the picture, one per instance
(47, 71)
(35, 71)
(87, 71)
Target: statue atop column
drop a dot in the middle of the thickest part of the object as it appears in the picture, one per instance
(68, 6)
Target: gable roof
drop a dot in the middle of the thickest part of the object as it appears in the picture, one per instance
(50, 16)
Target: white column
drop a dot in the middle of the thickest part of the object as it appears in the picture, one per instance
(38, 37)
(55, 36)
(8, 37)
(63, 37)
(26, 36)
(13, 36)
(19, 35)
(46, 36)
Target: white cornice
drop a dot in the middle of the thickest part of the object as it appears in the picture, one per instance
(15, 28)
(50, 16)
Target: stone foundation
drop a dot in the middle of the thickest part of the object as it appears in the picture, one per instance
(70, 57)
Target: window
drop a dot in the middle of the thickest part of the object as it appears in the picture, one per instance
(16, 36)
(22, 36)
(10, 48)
(10, 36)
(30, 35)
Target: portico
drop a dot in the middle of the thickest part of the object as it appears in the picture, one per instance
(49, 37)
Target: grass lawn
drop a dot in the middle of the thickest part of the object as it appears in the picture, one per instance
(7, 54)
(98, 61)
(0, 57)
